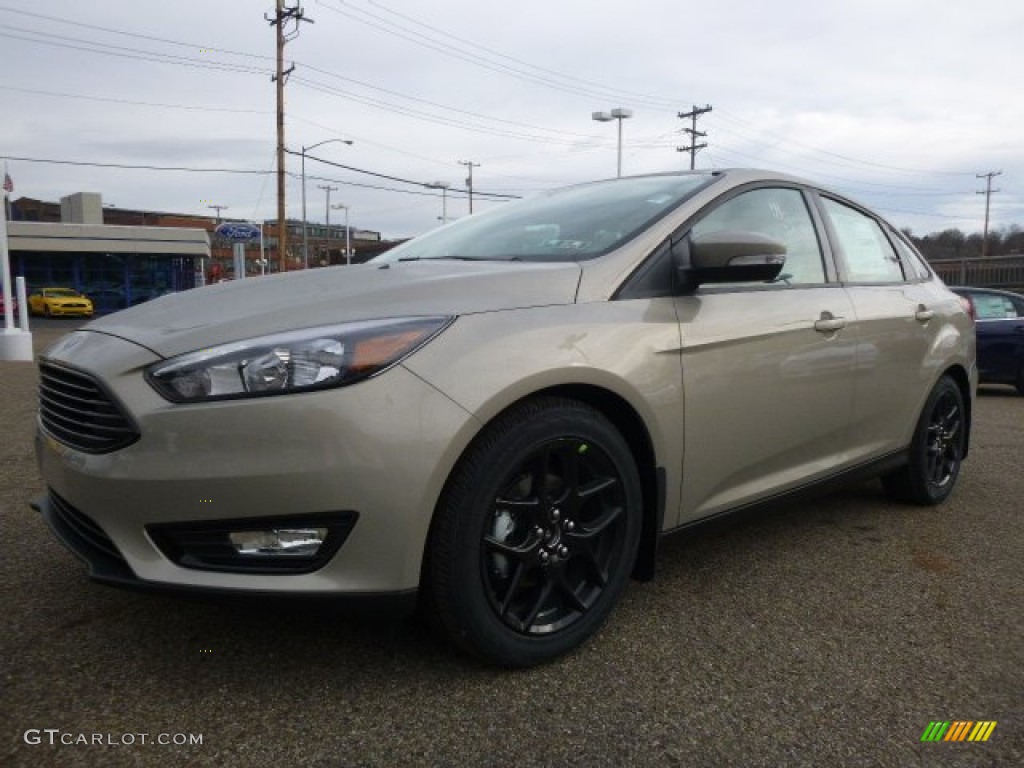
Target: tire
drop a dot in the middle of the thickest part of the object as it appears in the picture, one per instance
(536, 534)
(1020, 381)
(936, 450)
(46, 310)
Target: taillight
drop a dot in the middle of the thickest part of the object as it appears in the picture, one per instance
(968, 306)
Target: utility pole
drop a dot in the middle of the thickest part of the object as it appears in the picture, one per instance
(218, 209)
(329, 189)
(988, 197)
(282, 15)
(469, 180)
(693, 114)
(202, 260)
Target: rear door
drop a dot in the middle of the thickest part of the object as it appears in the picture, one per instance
(899, 316)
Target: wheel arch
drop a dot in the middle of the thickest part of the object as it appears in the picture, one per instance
(631, 426)
(963, 382)
(627, 420)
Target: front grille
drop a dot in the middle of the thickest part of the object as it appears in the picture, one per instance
(76, 410)
(84, 526)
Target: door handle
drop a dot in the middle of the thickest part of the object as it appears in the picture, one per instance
(923, 314)
(829, 323)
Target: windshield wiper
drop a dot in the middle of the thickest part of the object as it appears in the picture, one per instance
(444, 258)
(459, 258)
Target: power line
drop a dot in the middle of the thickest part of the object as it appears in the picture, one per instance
(425, 41)
(243, 171)
(847, 158)
(468, 113)
(201, 108)
(154, 38)
(151, 38)
(760, 159)
(391, 178)
(436, 119)
(265, 173)
(135, 167)
(126, 52)
(131, 102)
(160, 58)
(139, 54)
(618, 93)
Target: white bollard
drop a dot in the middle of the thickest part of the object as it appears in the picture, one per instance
(22, 303)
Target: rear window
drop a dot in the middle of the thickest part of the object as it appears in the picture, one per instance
(912, 260)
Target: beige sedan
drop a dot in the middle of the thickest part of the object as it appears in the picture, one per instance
(502, 418)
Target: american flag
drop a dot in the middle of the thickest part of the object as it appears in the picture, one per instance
(8, 184)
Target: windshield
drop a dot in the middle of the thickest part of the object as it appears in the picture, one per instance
(570, 224)
(59, 293)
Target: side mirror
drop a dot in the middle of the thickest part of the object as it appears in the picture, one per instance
(732, 257)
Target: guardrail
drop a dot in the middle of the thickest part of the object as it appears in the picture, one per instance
(988, 272)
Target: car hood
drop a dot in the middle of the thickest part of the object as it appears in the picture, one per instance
(243, 309)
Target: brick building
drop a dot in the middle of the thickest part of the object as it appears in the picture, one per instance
(325, 248)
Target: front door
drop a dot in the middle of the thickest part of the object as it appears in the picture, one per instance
(767, 368)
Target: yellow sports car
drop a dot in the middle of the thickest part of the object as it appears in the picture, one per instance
(59, 301)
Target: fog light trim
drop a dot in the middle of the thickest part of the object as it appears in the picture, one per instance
(278, 542)
(265, 545)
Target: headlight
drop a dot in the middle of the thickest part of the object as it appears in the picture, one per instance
(296, 361)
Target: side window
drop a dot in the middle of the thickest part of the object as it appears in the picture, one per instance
(913, 263)
(780, 214)
(869, 255)
(989, 306)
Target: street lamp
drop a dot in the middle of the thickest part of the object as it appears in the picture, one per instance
(348, 238)
(327, 209)
(606, 117)
(443, 186)
(202, 259)
(305, 241)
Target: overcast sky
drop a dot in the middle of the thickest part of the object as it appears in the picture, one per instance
(896, 103)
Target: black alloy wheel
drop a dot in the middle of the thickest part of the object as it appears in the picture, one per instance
(537, 534)
(937, 449)
(554, 534)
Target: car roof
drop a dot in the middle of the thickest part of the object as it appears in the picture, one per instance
(976, 289)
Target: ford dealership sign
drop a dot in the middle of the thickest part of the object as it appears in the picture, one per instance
(238, 231)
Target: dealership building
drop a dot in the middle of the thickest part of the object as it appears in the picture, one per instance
(120, 257)
(116, 266)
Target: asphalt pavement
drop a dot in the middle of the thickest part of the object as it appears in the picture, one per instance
(829, 633)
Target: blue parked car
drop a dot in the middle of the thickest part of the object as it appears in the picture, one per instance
(999, 317)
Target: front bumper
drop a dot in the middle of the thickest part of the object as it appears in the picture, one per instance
(382, 448)
(59, 311)
(106, 566)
